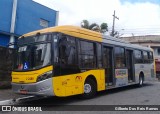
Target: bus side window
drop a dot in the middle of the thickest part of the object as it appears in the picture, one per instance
(120, 57)
(145, 56)
(150, 57)
(67, 50)
(62, 50)
(71, 51)
(99, 55)
(87, 54)
(138, 56)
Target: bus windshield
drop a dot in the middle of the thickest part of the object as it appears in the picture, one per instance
(33, 56)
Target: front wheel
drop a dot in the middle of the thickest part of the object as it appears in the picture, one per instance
(90, 89)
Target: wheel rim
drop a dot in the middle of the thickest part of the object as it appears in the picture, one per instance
(87, 88)
(141, 81)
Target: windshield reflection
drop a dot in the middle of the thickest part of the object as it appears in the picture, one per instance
(33, 56)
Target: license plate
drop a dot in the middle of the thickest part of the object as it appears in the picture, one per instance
(23, 91)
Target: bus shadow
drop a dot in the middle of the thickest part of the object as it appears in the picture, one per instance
(122, 89)
(60, 101)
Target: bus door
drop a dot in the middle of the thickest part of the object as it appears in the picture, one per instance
(130, 67)
(108, 64)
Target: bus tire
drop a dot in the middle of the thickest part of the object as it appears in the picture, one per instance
(90, 89)
(141, 80)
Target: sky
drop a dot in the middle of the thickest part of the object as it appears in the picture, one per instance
(136, 17)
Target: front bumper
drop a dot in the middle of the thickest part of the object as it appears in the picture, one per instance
(43, 88)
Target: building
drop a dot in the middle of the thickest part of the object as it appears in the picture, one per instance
(152, 41)
(18, 17)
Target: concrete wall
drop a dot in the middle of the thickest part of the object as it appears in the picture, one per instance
(143, 39)
(152, 41)
(6, 64)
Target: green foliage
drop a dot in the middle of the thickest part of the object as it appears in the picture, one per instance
(104, 27)
(85, 24)
(94, 26)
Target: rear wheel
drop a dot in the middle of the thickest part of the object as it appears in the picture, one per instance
(141, 80)
(90, 89)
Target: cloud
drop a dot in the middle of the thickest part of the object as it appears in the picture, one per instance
(140, 1)
(137, 18)
(74, 11)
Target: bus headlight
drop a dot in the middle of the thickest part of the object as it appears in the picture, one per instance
(44, 76)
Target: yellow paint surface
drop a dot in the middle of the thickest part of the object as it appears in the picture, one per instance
(70, 30)
(74, 84)
(29, 76)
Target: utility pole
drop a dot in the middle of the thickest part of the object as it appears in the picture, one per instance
(114, 17)
(13, 21)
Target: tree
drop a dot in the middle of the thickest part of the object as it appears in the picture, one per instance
(94, 26)
(85, 24)
(104, 27)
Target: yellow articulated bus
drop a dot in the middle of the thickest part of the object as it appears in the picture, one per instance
(68, 60)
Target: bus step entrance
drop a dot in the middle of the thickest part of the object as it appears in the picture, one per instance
(130, 81)
(109, 84)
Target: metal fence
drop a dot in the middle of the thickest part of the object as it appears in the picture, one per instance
(6, 65)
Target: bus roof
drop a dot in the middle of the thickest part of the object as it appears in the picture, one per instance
(70, 30)
(119, 42)
(87, 34)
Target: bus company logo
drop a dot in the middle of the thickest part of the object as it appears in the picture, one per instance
(64, 82)
(22, 87)
(29, 78)
(6, 108)
(78, 78)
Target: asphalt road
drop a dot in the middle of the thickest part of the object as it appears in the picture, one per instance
(149, 94)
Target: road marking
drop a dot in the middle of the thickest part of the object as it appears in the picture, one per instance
(18, 100)
(7, 102)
